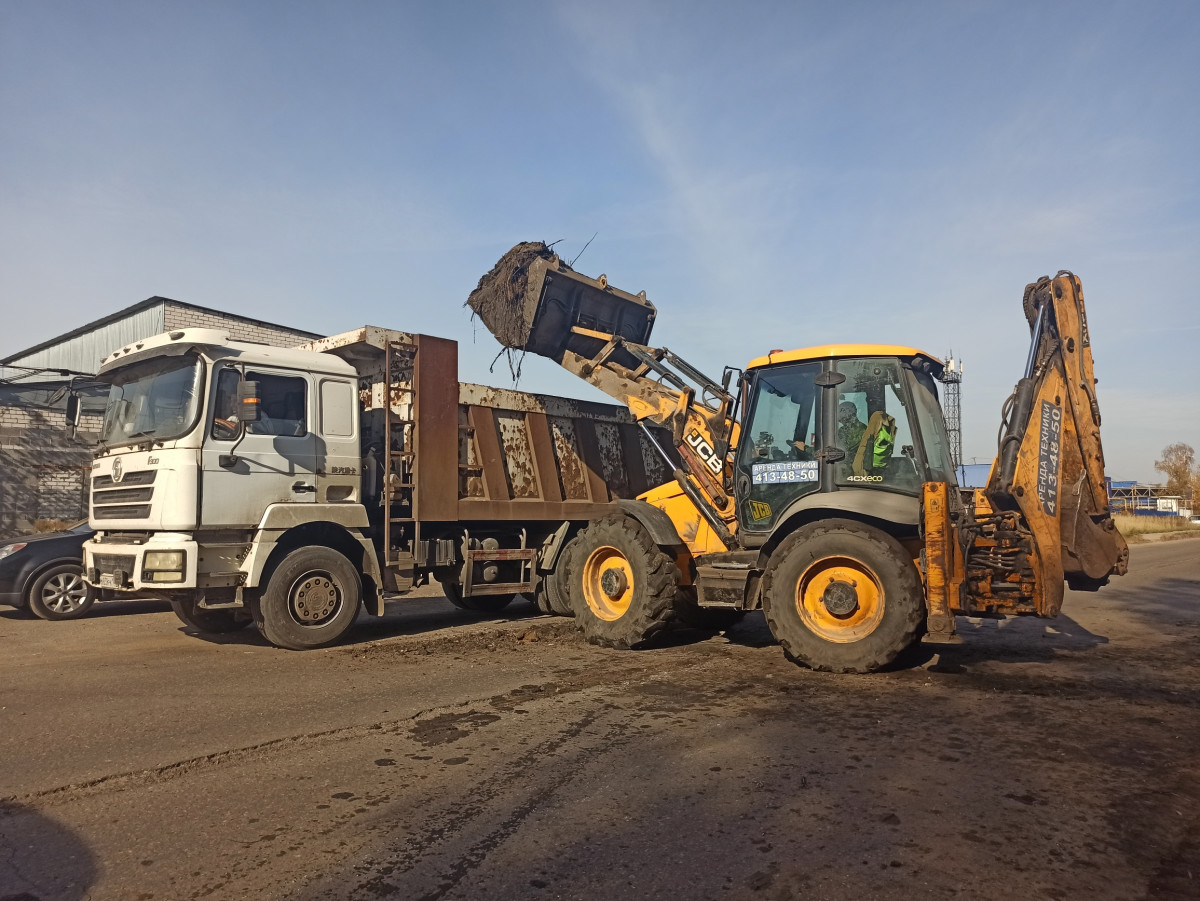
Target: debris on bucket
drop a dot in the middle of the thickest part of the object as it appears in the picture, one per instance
(500, 298)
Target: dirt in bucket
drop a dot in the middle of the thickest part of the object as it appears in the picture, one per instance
(499, 299)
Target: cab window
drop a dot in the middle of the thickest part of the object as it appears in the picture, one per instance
(873, 428)
(283, 405)
(777, 455)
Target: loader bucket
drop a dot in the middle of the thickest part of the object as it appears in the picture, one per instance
(533, 302)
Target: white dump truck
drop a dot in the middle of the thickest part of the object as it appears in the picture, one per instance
(289, 486)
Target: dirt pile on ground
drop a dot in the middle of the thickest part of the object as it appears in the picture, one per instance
(499, 299)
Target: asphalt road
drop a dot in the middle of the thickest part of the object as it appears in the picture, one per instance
(436, 755)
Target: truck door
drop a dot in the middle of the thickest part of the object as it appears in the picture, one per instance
(247, 466)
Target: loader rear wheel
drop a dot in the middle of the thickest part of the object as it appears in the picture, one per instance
(842, 597)
(311, 600)
(483, 603)
(621, 584)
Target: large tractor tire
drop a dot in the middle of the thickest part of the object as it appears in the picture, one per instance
(842, 597)
(621, 584)
(212, 622)
(311, 600)
(483, 603)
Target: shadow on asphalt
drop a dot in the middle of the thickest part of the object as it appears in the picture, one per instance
(431, 615)
(42, 858)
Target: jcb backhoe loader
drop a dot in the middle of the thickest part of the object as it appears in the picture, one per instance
(821, 487)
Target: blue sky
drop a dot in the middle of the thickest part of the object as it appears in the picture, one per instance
(772, 175)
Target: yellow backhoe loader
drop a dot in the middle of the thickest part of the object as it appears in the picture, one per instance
(820, 487)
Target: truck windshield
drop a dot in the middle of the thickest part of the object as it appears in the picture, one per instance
(153, 400)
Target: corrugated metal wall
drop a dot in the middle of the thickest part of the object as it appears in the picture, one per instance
(84, 352)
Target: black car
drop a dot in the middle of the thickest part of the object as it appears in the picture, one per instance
(44, 573)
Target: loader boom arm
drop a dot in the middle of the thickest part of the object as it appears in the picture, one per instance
(533, 302)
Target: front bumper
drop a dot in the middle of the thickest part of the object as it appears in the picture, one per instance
(121, 567)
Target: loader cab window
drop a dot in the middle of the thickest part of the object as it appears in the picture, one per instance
(933, 428)
(777, 459)
(874, 428)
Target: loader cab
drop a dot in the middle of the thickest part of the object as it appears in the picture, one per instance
(861, 422)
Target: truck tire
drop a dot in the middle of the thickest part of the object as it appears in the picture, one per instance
(60, 593)
(311, 600)
(483, 603)
(553, 596)
(842, 597)
(214, 622)
(690, 614)
(621, 584)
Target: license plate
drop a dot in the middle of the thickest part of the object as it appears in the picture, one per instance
(108, 580)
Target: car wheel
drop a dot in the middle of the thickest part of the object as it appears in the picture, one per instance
(60, 593)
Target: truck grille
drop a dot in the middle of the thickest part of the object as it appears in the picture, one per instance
(124, 499)
(128, 511)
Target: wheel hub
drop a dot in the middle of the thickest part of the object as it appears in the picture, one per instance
(315, 599)
(840, 598)
(614, 583)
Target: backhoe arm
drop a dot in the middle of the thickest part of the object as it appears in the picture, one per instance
(1046, 489)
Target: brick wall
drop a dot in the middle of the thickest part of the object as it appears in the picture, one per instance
(43, 472)
(240, 329)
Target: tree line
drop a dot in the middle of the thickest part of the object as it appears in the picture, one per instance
(1178, 463)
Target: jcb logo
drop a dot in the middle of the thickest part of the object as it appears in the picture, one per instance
(705, 451)
(760, 510)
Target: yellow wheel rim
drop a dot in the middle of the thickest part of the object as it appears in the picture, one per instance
(840, 599)
(607, 583)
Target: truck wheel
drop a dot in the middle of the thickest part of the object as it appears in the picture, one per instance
(621, 584)
(842, 597)
(552, 594)
(483, 603)
(709, 619)
(212, 621)
(311, 600)
(60, 593)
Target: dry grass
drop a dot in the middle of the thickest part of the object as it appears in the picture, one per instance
(51, 525)
(1130, 525)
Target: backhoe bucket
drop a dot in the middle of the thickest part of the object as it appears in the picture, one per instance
(534, 302)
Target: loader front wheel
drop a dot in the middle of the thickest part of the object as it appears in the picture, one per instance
(842, 597)
(621, 584)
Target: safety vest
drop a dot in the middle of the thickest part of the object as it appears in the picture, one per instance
(880, 437)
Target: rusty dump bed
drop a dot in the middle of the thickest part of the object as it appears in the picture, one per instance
(459, 452)
(532, 301)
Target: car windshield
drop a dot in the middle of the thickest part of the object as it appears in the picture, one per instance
(151, 400)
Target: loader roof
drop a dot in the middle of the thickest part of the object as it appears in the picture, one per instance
(826, 351)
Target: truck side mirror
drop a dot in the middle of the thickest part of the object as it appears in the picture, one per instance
(74, 410)
(249, 405)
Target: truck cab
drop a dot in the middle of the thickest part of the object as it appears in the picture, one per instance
(179, 482)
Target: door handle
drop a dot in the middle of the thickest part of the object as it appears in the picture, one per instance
(303, 486)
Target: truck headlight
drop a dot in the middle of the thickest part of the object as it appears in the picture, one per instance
(159, 560)
(163, 566)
